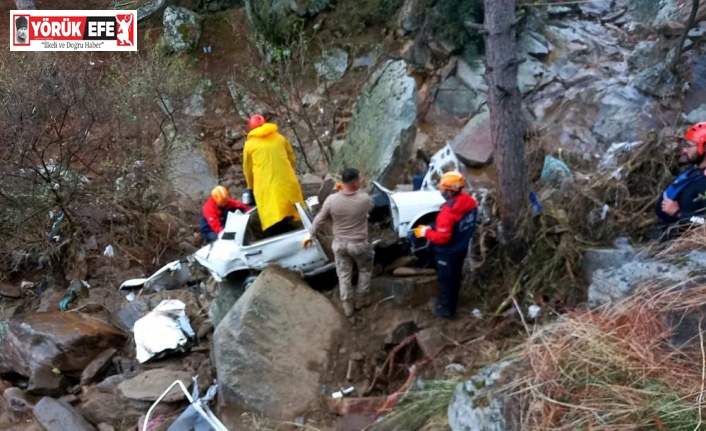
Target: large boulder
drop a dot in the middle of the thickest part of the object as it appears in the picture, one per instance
(55, 415)
(182, 29)
(476, 405)
(380, 138)
(333, 64)
(272, 348)
(583, 98)
(273, 19)
(192, 168)
(61, 344)
(617, 282)
(473, 145)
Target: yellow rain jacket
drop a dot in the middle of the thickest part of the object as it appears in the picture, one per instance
(268, 164)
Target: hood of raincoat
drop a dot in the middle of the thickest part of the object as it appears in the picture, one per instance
(262, 131)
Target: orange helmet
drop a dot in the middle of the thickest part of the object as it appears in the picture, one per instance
(220, 195)
(697, 134)
(452, 181)
(256, 121)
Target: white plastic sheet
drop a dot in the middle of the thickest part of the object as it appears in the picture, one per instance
(164, 328)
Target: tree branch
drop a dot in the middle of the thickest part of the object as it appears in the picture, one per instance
(475, 27)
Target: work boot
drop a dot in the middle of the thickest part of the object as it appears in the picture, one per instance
(362, 300)
(348, 308)
(443, 313)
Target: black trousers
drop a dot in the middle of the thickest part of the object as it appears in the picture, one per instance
(283, 226)
(449, 272)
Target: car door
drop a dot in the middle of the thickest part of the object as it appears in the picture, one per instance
(286, 250)
(442, 161)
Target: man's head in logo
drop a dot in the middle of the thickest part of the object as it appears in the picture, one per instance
(21, 26)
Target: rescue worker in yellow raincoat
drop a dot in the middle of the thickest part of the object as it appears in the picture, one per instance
(268, 164)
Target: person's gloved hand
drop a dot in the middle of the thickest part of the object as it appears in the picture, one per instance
(307, 242)
(420, 231)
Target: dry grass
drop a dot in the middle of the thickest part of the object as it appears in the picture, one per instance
(422, 408)
(614, 369)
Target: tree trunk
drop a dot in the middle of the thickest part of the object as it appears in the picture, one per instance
(504, 102)
(25, 4)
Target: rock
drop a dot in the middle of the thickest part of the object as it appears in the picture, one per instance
(431, 342)
(150, 9)
(475, 407)
(182, 29)
(473, 145)
(230, 291)
(411, 15)
(409, 291)
(105, 427)
(10, 291)
(103, 403)
(670, 29)
(534, 44)
(150, 384)
(406, 271)
(18, 400)
(333, 64)
(246, 104)
(614, 284)
(218, 5)
(644, 55)
(605, 258)
(55, 341)
(417, 54)
(56, 415)
(596, 8)
(272, 348)
(132, 312)
(380, 149)
(558, 11)
(401, 331)
(311, 184)
(472, 75)
(668, 11)
(454, 97)
(696, 115)
(97, 366)
(365, 61)
(48, 380)
(191, 173)
(165, 225)
(275, 18)
(530, 74)
(196, 106)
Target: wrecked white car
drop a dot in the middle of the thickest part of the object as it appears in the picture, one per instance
(242, 250)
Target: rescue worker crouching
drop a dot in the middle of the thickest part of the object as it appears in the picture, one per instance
(348, 210)
(215, 212)
(684, 201)
(269, 168)
(450, 237)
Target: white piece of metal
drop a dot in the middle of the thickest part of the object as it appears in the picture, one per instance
(202, 410)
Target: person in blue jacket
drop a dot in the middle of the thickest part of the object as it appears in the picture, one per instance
(684, 201)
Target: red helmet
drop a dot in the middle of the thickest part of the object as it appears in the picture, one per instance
(697, 134)
(256, 121)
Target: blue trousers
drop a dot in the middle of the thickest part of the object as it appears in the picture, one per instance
(449, 272)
